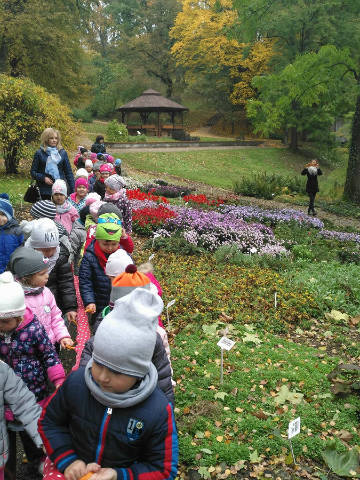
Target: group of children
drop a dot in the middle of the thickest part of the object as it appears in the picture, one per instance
(112, 418)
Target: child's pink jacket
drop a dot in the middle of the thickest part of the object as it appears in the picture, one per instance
(48, 313)
(67, 219)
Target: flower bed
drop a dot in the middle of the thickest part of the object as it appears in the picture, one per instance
(146, 220)
(285, 215)
(211, 229)
(202, 200)
(137, 194)
(169, 191)
(340, 236)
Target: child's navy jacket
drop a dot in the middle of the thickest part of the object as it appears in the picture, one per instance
(139, 442)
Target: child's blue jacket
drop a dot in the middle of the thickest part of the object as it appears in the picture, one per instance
(139, 442)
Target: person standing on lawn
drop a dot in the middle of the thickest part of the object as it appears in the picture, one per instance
(50, 163)
(312, 171)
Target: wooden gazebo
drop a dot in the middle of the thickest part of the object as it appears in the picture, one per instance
(152, 101)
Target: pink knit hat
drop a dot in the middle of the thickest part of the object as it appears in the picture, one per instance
(93, 157)
(110, 159)
(107, 167)
(81, 182)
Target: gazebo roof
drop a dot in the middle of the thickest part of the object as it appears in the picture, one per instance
(152, 101)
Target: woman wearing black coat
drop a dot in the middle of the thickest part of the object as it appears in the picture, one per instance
(50, 163)
(312, 171)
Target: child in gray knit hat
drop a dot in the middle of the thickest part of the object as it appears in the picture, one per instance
(110, 417)
(115, 193)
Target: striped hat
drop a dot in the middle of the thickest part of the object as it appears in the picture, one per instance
(43, 209)
(5, 206)
(127, 282)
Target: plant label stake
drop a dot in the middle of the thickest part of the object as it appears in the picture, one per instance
(225, 344)
(170, 304)
(154, 238)
(151, 257)
(293, 430)
(275, 300)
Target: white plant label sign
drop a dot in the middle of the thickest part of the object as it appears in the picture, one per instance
(151, 257)
(170, 304)
(294, 428)
(225, 343)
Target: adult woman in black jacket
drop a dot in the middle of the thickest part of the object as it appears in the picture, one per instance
(50, 163)
(312, 171)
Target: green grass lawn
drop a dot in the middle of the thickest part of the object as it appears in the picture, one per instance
(15, 186)
(222, 167)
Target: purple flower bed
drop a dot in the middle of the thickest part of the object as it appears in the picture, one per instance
(274, 216)
(211, 230)
(340, 236)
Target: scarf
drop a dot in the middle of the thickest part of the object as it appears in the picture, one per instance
(52, 260)
(122, 400)
(52, 162)
(31, 290)
(100, 255)
(115, 197)
(312, 171)
(64, 208)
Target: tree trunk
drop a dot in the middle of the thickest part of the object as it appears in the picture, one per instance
(352, 183)
(11, 160)
(293, 139)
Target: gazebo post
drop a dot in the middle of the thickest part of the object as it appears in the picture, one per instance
(158, 124)
(173, 119)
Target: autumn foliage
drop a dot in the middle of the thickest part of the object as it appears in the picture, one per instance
(202, 42)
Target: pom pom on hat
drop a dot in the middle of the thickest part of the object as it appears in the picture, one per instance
(117, 263)
(94, 208)
(59, 186)
(44, 234)
(12, 298)
(92, 197)
(128, 281)
(106, 167)
(43, 208)
(108, 227)
(115, 182)
(81, 182)
(26, 261)
(5, 206)
(125, 339)
(81, 173)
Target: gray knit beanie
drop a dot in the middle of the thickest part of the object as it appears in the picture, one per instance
(96, 166)
(109, 208)
(125, 339)
(44, 208)
(26, 261)
(115, 182)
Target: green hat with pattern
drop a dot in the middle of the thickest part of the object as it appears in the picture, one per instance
(108, 227)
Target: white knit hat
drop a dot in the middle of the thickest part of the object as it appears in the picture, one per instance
(44, 234)
(81, 173)
(125, 339)
(88, 163)
(12, 298)
(59, 186)
(117, 262)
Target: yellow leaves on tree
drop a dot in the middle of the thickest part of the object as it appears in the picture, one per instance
(202, 44)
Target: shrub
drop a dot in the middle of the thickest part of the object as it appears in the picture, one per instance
(83, 115)
(26, 109)
(138, 138)
(263, 185)
(117, 132)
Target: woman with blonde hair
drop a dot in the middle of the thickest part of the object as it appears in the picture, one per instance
(50, 163)
(312, 171)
